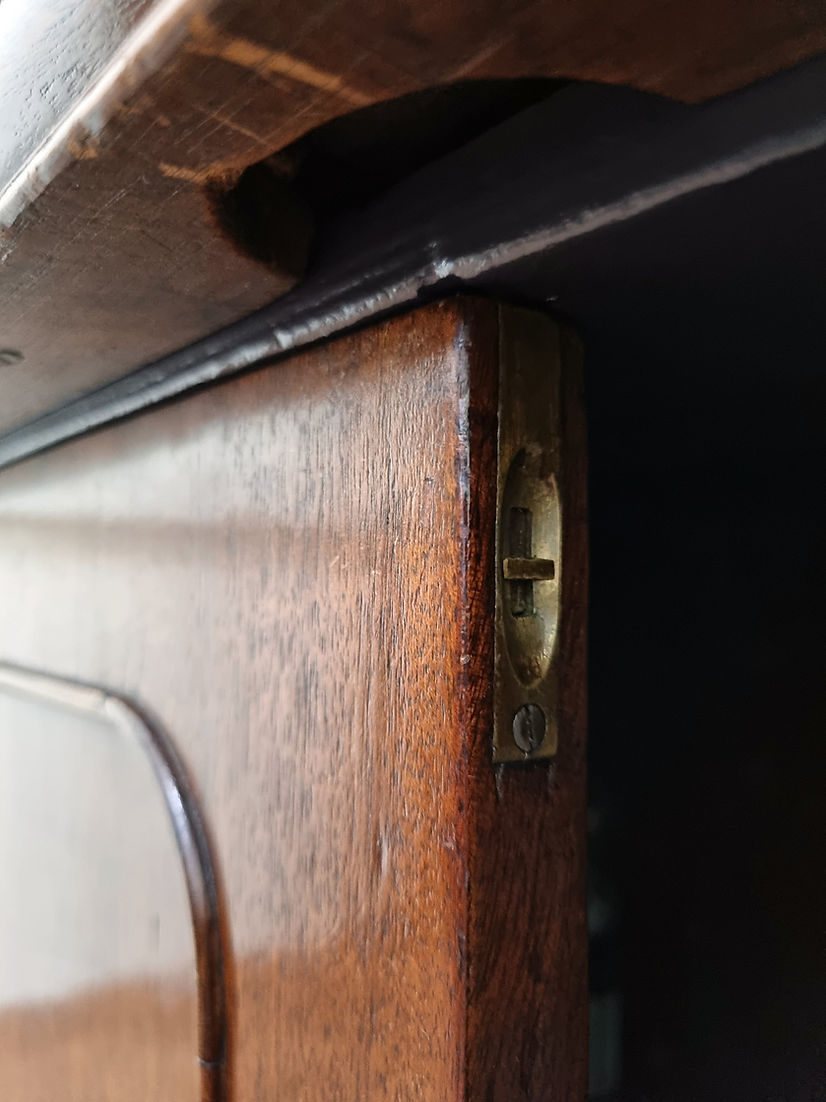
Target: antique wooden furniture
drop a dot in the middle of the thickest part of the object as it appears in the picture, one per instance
(279, 817)
(294, 574)
(129, 125)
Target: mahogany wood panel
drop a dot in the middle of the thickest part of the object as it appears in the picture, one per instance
(119, 261)
(294, 572)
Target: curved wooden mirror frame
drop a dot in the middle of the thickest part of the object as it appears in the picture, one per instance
(192, 842)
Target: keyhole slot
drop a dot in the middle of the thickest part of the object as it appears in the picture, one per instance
(520, 545)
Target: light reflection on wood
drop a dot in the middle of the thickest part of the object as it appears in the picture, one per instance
(96, 935)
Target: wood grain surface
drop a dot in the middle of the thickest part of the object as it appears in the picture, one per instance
(122, 259)
(293, 571)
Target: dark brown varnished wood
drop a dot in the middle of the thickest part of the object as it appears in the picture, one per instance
(114, 254)
(293, 571)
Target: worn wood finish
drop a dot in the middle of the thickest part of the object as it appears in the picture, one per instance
(293, 571)
(119, 260)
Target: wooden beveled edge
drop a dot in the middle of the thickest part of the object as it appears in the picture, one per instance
(142, 50)
(193, 845)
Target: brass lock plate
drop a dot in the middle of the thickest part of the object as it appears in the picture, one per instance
(529, 537)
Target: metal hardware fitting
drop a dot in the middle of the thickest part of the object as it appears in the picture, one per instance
(529, 574)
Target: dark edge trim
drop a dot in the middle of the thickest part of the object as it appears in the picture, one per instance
(193, 845)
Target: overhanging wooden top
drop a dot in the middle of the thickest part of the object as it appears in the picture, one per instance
(116, 115)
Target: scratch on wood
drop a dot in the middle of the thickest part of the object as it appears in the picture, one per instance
(208, 40)
(231, 124)
(140, 52)
(82, 150)
(190, 175)
(143, 106)
(477, 60)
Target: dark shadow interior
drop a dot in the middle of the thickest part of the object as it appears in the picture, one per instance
(277, 209)
(704, 331)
